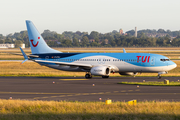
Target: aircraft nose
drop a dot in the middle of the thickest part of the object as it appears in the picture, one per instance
(171, 65)
(174, 65)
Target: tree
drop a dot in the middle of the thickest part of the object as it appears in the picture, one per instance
(94, 44)
(67, 43)
(76, 42)
(141, 35)
(114, 31)
(18, 43)
(161, 31)
(1, 41)
(96, 40)
(94, 35)
(85, 41)
(48, 33)
(58, 36)
(68, 35)
(131, 32)
(7, 40)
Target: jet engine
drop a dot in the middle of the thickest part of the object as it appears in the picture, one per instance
(100, 71)
(128, 73)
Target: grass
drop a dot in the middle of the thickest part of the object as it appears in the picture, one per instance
(154, 83)
(45, 110)
(34, 69)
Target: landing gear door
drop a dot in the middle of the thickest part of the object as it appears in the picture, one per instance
(152, 61)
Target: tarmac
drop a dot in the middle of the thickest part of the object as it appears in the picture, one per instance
(81, 89)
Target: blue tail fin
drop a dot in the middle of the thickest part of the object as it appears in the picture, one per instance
(124, 51)
(37, 43)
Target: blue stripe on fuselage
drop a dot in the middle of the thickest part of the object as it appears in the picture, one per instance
(145, 59)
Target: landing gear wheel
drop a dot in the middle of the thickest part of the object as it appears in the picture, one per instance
(105, 76)
(159, 77)
(88, 76)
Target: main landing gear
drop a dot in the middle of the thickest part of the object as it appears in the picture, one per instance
(105, 76)
(88, 76)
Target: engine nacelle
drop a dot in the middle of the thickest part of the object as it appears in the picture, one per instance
(100, 71)
(128, 73)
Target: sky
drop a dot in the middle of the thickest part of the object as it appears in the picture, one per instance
(89, 15)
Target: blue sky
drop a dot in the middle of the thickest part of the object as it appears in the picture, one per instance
(89, 15)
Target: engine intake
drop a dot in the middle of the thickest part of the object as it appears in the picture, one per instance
(100, 71)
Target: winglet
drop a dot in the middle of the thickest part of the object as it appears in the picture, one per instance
(124, 51)
(24, 54)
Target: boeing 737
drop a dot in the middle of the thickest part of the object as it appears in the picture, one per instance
(97, 64)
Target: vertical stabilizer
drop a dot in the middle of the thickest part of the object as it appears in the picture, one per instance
(37, 43)
(124, 51)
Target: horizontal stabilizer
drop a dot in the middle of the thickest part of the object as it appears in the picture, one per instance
(24, 54)
(35, 56)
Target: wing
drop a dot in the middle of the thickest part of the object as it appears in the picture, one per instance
(81, 65)
(65, 63)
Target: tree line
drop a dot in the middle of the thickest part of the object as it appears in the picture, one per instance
(96, 39)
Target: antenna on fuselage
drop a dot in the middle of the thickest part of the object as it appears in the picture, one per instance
(124, 51)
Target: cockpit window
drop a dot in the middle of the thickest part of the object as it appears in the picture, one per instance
(164, 60)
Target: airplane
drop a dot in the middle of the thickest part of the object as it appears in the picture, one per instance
(97, 64)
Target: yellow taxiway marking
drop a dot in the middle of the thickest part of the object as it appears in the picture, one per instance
(69, 95)
(107, 92)
(44, 97)
(85, 94)
(80, 94)
(130, 90)
(146, 93)
(116, 91)
(123, 90)
(32, 93)
(53, 96)
(72, 79)
(61, 96)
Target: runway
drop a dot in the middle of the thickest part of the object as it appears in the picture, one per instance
(81, 89)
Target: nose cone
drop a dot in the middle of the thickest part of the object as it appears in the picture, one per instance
(173, 65)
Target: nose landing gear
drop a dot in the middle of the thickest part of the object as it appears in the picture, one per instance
(159, 74)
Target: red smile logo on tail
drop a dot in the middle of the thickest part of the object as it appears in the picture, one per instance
(33, 43)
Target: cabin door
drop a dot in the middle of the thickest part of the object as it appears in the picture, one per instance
(152, 61)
